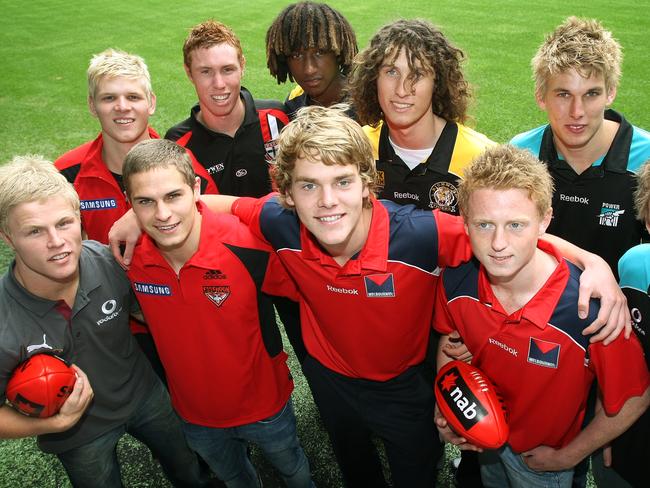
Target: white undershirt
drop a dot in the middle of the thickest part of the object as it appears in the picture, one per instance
(411, 157)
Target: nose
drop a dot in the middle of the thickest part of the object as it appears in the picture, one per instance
(577, 108)
(122, 104)
(54, 239)
(404, 87)
(162, 212)
(327, 197)
(309, 65)
(499, 239)
(218, 80)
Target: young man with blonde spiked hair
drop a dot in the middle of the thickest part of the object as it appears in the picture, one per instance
(591, 151)
(121, 98)
(514, 307)
(70, 298)
(314, 45)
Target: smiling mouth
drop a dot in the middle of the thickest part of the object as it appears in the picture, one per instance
(124, 121)
(220, 98)
(167, 228)
(401, 106)
(330, 218)
(60, 256)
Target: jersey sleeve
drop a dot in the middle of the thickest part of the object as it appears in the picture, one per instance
(277, 281)
(621, 371)
(453, 242)
(442, 319)
(249, 211)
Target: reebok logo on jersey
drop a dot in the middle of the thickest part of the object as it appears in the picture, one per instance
(152, 289)
(343, 291)
(214, 274)
(506, 348)
(609, 213)
(574, 199)
(379, 285)
(98, 204)
(217, 294)
(411, 196)
(543, 353)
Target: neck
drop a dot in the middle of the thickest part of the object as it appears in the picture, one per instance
(421, 135)
(226, 124)
(332, 95)
(114, 152)
(180, 254)
(581, 158)
(517, 291)
(47, 288)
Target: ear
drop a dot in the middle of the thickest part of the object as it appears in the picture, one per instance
(188, 72)
(197, 189)
(611, 96)
(91, 106)
(545, 222)
(152, 104)
(7, 240)
(540, 98)
(243, 64)
(289, 199)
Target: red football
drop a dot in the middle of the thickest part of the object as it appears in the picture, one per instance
(40, 385)
(471, 404)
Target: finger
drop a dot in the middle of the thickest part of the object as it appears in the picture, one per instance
(584, 296)
(128, 253)
(607, 456)
(627, 319)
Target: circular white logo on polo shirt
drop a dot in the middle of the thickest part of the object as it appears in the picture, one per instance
(240, 173)
(109, 307)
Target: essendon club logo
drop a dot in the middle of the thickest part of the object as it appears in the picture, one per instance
(460, 399)
(217, 294)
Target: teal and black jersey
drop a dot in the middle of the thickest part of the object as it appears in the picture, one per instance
(595, 209)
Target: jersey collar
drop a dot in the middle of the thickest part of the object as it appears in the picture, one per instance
(540, 308)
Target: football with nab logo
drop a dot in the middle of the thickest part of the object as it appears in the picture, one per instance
(471, 405)
(40, 385)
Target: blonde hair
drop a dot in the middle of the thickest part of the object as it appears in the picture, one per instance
(580, 44)
(113, 63)
(31, 178)
(506, 167)
(642, 193)
(157, 153)
(326, 135)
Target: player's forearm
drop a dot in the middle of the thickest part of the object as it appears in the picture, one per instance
(603, 428)
(14, 425)
(219, 203)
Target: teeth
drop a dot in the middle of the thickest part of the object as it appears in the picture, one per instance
(123, 121)
(331, 218)
(219, 98)
(401, 105)
(166, 227)
(58, 257)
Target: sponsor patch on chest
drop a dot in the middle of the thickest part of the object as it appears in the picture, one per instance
(217, 294)
(380, 285)
(543, 353)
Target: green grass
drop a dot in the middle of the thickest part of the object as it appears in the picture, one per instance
(45, 47)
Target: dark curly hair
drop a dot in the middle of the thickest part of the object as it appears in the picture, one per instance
(306, 25)
(422, 42)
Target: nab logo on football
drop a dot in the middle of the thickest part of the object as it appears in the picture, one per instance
(460, 399)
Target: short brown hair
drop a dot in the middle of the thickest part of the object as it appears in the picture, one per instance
(157, 153)
(506, 167)
(422, 42)
(580, 44)
(208, 34)
(326, 135)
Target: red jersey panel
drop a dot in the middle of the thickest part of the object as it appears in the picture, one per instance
(213, 326)
(371, 317)
(537, 356)
(102, 200)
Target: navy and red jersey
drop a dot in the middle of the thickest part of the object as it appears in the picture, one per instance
(102, 196)
(238, 165)
(537, 356)
(371, 317)
(214, 325)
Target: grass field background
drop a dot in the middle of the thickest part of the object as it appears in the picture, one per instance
(45, 47)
